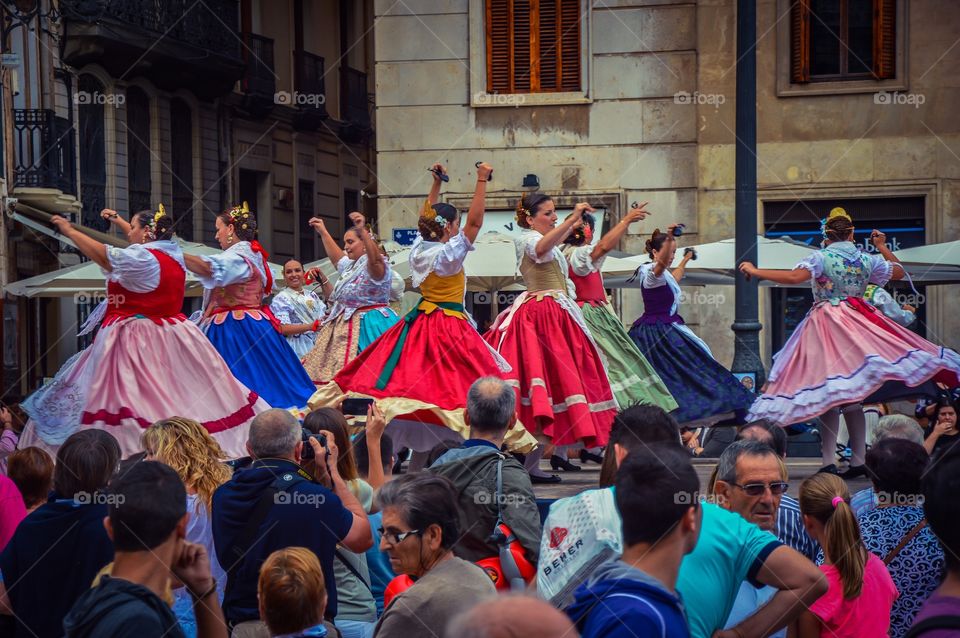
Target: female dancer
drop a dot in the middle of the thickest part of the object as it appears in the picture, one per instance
(705, 391)
(358, 306)
(563, 389)
(632, 379)
(240, 327)
(844, 349)
(147, 360)
(422, 367)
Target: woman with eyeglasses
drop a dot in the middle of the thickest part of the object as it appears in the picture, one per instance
(420, 527)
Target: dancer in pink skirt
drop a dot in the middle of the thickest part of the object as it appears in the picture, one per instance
(845, 349)
(147, 362)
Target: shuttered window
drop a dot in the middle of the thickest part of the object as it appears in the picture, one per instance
(842, 40)
(533, 46)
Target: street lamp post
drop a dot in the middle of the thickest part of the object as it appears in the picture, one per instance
(746, 325)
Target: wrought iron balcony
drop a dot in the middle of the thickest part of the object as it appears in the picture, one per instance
(259, 78)
(44, 149)
(354, 105)
(310, 92)
(176, 43)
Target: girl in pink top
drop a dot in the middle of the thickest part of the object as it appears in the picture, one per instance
(861, 592)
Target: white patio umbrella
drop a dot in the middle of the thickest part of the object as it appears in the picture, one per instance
(933, 264)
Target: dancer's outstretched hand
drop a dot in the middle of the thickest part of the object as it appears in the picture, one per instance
(438, 169)
(62, 224)
(879, 239)
(484, 171)
(748, 269)
(637, 213)
(357, 219)
(317, 224)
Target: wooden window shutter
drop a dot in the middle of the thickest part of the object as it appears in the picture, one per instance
(569, 40)
(800, 42)
(884, 39)
(499, 27)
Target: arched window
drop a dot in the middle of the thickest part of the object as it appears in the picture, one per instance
(93, 157)
(138, 150)
(181, 141)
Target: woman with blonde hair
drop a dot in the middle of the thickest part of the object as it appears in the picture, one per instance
(861, 592)
(292, 593)
(184, 445)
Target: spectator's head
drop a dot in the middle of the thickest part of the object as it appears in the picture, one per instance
(751, 478)
(85, 463)
(420, 521)
(31, 470)
(362, 455)
(292, 593)
(148, 509)
(897, 426)
(941, 484)
(188, 448)
(765, 432)
(439, 450)
(634, 428)
(275, 434)
(491, 408)
(946, 412)
(13, 417)
(333, 421)
(509, 616)
(657, 493)
(895, 466)
(829, 519)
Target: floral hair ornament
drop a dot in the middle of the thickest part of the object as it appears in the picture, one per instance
(239, 213)
(152, 226)
(834, 213)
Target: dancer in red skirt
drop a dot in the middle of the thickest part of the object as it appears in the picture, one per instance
(564, 391)
(421, 368)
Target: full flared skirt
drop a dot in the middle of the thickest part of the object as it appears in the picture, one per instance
(260, 358)
(137, 372)
(441, 357)
(704, 390)
(340, 340)
(632, 378)
(842, 354)
(562, 386)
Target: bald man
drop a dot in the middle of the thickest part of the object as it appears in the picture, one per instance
(300, 311)
(512, 616)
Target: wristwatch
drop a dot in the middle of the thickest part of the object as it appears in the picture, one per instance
(199, 597)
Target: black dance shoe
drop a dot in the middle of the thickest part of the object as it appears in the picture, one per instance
(544, 480)
(590, 456)
(560, 463)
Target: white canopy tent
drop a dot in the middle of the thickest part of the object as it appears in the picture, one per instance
(933, 264)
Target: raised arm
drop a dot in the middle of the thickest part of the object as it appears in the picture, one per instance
(114, 218)
(795, 276)
(880, 242)
(477, 205)
(610, 241)
(662, 262)
(434, 195)
(90, 247)
(330, 246)
(552, 239)
(375, 265)
(198, 265)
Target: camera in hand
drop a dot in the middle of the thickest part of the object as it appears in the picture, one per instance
(305, 435)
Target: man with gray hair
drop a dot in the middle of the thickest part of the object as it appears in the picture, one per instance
(892, 426)
(274, 504)
(512, 615)
(474, 469)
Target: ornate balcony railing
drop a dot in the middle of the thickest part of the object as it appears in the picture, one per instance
(44, 148)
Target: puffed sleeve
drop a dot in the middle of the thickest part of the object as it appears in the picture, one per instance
(280, 308)
(812, 262)
(881, 270)
(530, 248)
(228, 268)
(134, 267)
(344, 263)
(580, 261)
(450, 260)
(650, 279)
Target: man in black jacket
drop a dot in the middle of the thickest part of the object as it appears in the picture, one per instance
(491, 411)
(148, 525)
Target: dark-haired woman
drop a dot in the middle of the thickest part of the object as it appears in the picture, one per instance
(844, 350)
(239, 326)
(421, 368)
(147, 359)
(705, 391)
(943, 431)
(359, 305)
(563, 389)
(632, 379)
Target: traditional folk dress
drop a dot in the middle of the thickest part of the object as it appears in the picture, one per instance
(422, 368)
(705, 391)
(147, 363)
(304, 306)
(845, 349)
(632, 379)
(563, 389)
(359, 313)
(245, 332)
